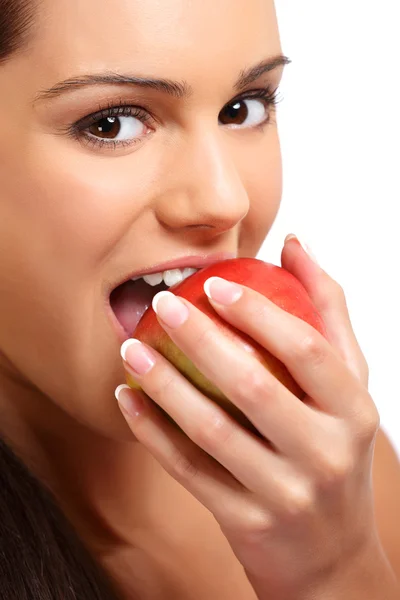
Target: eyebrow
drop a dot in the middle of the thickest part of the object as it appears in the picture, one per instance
(175, 89)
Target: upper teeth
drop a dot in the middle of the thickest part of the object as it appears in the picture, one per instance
(170, 277)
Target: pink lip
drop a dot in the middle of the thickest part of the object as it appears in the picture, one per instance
(198, 262)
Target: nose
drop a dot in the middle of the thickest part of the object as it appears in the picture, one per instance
(203, 189)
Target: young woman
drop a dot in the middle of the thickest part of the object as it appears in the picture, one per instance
(138, 138)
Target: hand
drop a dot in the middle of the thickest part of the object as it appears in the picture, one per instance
(297, 505)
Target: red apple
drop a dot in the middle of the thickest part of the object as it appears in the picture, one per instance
(274, 282)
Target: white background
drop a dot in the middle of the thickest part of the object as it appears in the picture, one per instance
(340, 132)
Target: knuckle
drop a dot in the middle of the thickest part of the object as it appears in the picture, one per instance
(332, 292)
(213, 433)
(252, 527)
(310, 350)
(183, 467)
(335, 468)
(298, 500)
(336, 292)
(252, 386)
(163, 387)
(368, 425)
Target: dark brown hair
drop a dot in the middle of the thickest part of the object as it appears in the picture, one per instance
(16, 24)
(41, 555)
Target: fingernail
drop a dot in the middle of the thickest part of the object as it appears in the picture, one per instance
(170, 309)
(222, 291)
(305, 247)
(138, 357)
(131, 404)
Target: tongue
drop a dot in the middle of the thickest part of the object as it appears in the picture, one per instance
(130, 301)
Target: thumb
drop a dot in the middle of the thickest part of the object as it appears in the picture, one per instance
(330, 301)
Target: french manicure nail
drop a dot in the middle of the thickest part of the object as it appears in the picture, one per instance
(222, 291)
(170, 309)
(138, 357)
(131, 404)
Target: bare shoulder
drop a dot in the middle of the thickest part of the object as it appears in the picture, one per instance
(386, 480)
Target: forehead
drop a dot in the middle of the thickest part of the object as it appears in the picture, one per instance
(171, 37)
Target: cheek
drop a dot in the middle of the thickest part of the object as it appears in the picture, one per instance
(87, 208)
(58, 223)
(262, 177)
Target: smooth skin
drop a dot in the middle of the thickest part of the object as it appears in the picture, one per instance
(76, 218)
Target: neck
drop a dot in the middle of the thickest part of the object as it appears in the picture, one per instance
(112, 492)
(135, 519)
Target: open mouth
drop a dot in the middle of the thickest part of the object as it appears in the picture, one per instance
(130, 300)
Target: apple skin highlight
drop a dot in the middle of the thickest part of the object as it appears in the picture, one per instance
(273, 282)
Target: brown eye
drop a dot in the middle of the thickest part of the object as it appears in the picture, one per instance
(244, 113)
(106, 128)
(117, 128)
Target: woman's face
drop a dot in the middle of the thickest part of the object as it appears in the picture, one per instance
(89, 199)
